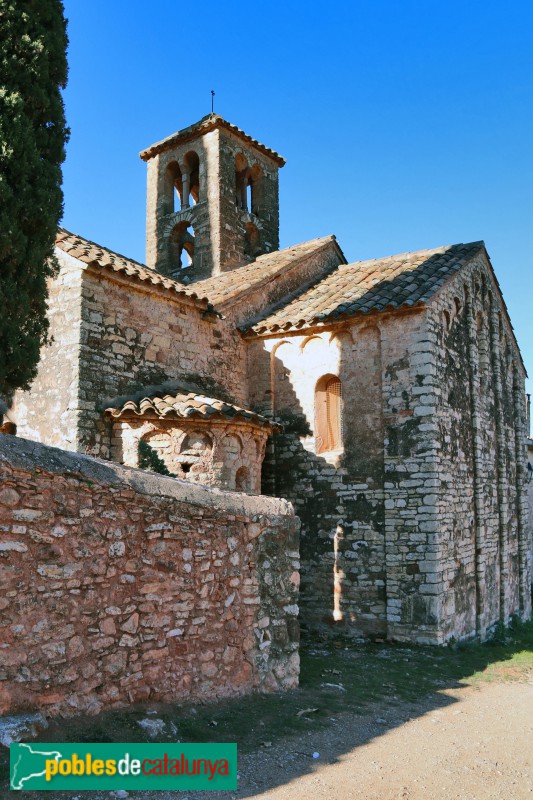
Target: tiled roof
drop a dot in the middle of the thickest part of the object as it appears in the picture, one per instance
(229, 285)
(184, 404)
(207, 123)
(91, 253)
(385, 283)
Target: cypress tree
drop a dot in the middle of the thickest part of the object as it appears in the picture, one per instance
(33, 134)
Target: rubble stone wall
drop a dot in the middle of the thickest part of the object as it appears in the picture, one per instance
(478, 389)
(417, 527)
(138, 338)
(161, 218)
(50, 411)
(121, 586)
(235, 224)
(215, 453)
(221, 229)
(530, 510)
(337, 495)
(261, 295)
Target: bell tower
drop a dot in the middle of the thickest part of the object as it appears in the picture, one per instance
(212, 200)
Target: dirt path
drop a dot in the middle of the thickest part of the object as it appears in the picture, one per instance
(479, 747)
(397, 724)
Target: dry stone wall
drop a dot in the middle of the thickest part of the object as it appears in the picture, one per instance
(121, 586)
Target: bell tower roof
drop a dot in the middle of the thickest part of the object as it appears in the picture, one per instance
(203, 126)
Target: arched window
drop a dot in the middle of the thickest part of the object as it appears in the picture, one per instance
(181, 245)
(328, 414)
(242, 174)
(173, 195)
(191, 179)
(242, 480)
(248, 186)
(256, 190)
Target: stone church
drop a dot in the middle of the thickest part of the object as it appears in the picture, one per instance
(385, 398)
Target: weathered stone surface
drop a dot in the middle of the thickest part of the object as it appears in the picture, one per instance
(216, 228)
(416, 527)
(21, 726)
(414, 513)
(164, 635)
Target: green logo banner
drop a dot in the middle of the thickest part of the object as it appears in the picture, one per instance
(61, 767)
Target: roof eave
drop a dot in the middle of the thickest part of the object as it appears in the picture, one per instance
(205, 125)
(316, 323)
(193, 416)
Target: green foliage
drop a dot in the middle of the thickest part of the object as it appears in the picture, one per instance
(33, 133)
(498, 636)
(148, 459)
(294, 422)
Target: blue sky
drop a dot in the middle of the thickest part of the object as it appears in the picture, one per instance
(405, 125)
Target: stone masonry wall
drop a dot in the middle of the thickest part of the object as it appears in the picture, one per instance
(49, 412)
(133, 338)
(121, 586)
(481, 506)
(337, 495)
(530, 508)
(264, 216)
(260, 295)
(409, 480)
(161, 218)
(358, 537)
(215, 453)
(400, 528)
(218, 225)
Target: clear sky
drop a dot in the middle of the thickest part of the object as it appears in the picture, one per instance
(405, 124)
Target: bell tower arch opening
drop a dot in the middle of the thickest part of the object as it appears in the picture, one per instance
(172, 199)
(181, 249)
(224, 185)
(191, 163)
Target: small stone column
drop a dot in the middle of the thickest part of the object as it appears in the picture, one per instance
(244, 188)
(186, 181)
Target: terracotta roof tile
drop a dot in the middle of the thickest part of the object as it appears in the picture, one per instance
(401, 280)
(183, 404)
(91, 253)
(207, 123)
(230, 285)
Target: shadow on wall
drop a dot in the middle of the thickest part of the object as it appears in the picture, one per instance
(363, 546)
(338, 493)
